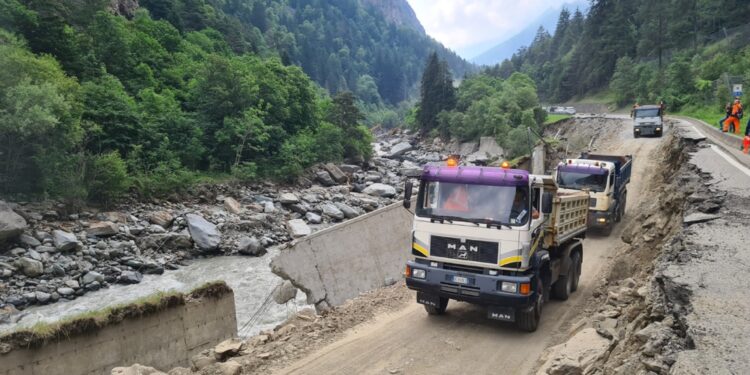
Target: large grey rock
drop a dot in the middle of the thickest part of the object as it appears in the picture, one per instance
(313, 218)
(42, 297)
(331, 211)
(30, 267)
(136, 369)
(28, 240)
(229, 348)
(204, 234)
(166, 241)
(298, 228)
(380, 190)
(91, 277)
(65, 291)
(288, 198)
(325, 178)
(130, 277)
(232, 205)
(335, 173)
(11, 223)
(162, 218)
(348, 211)
(350, 168)
(410, 169)
(103, 229)
(64, 241)
(250, 246)
(285, 293)
(400, 149)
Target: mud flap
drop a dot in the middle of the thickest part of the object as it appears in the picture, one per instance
(505, 314)
(428, 299)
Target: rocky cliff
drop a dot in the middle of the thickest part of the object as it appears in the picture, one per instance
(398, 12)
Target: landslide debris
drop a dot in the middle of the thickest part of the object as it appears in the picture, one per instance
(640, 310)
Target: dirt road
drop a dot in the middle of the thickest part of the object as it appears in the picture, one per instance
(464, 341)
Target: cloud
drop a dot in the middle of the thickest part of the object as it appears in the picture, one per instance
(461, 24)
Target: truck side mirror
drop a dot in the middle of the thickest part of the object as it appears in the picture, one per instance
(408, 187)
(547, 203)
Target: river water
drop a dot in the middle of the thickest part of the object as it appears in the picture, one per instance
(250, 278)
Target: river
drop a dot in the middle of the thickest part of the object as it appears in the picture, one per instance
(250, 278)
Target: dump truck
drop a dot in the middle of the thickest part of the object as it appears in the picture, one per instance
(496, 237)
(648, 120)
(605, 178)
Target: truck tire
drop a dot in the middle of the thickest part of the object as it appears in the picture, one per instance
(577, 263)
(607, 230)
(528, 320)
(564, 286)
(636, 134)
(440, 310)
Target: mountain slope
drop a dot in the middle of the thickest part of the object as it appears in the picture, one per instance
(341, 44)
(506, 49)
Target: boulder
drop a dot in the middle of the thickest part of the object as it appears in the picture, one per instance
(269, 208)
(336, 173)
(64, 241)
(288, 198)
(91, 277)
(11, 223)
(29, 240)
(136, 369)
(230, 367)
(228, 348)
(313, 218)
(65, 291)
(30, 267)
(103, 229)
(203, 233)
(250, 246)
(130, 277)
(349, 212)
(232, 205)
(325, 178)
(577, 354)
(298, 228)
(330, 210)
(72, 284)
(400, 149)
(42, 297)
(161, 218)
(350, 168)
(698, 218)
(380, 190)
(285, 293)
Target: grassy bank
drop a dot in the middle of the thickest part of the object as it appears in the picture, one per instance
(710, 115)
(552, 118)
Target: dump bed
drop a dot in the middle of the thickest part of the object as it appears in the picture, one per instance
(568, 219)
(622, 164)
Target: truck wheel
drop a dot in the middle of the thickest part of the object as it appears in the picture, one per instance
(440, 310)
(528, 320)
(607, 230)
(636, 135)
(576, 259)
(564, 285)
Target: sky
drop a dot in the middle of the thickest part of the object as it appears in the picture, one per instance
(470, 27)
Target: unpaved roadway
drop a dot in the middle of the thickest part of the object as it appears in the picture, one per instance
(463, 341)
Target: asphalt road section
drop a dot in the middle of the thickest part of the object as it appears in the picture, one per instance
(463, 340)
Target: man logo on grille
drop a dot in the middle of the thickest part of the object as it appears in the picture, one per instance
(463, 248)
(463, 254)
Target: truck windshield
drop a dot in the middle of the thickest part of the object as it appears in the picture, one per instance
(650, 112)
(580, 181)
(507, 205)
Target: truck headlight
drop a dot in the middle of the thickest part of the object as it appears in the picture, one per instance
(658, 129)
(508, 287)
(417, 273)
(602, 220)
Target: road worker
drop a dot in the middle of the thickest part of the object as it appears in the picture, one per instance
(458, 200)
(632, 111)
(732, 124)
(727, 113)
(662, 109)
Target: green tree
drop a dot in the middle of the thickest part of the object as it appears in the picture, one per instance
(437, 93)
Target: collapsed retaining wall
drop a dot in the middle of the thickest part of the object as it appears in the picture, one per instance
(340, 262)
(162, 333)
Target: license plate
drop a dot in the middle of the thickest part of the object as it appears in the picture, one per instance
(461, 280)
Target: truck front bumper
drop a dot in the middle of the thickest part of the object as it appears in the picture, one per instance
(647, 129)
(480, 289)
(600, 219)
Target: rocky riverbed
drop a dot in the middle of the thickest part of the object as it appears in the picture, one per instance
(51, 252)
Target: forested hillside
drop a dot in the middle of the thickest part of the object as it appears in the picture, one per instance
(646, 50)
(373, 48)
